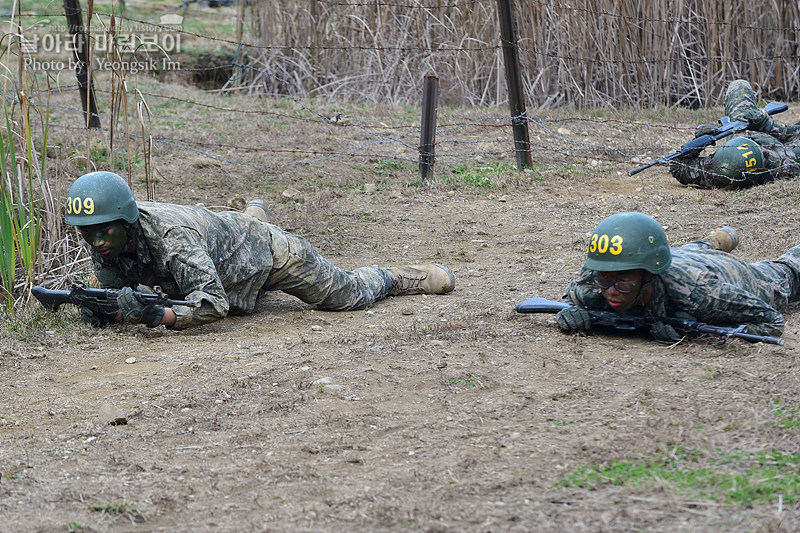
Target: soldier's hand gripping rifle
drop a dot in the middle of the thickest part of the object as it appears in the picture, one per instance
(103, 300)
(726, 128)
(630, 322)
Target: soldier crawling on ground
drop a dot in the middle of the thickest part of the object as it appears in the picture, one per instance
(222, 260)
(770, 152)
(631, 269)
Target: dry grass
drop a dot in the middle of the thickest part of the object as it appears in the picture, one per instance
(606, 53)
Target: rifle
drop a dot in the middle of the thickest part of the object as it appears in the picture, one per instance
(101, 299)
(631, 322)
(725, 129)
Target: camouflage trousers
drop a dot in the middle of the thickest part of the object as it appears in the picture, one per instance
(300, 270)
(740, 104)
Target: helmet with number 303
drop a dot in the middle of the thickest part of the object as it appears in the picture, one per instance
(628, 241)
(100, 197)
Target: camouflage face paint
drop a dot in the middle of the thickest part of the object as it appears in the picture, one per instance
(109, 240)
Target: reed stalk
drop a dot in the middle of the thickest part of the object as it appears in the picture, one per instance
(581, 54)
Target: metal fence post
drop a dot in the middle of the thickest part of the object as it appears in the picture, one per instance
(74, 15)
(519, 122)
(427, 136)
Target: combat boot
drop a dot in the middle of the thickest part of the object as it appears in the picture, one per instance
(725, 239)
(258, 209)
(428, 278)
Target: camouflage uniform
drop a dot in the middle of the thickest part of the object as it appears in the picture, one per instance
(780, 144)
(714, 287)
(224, 259)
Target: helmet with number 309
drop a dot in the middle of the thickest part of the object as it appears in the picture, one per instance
(627, 241)
(100, 197)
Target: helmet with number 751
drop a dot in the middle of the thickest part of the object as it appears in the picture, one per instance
(628, 241)
(100, 197)
(739, 162)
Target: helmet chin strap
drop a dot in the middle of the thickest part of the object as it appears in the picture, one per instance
(128, 227)
(645, 284)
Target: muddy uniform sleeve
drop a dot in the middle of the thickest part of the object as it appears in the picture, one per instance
(782, 160)
(785, 133)
(725, 304)
(197, 279)
(716, 288)
(693, 170)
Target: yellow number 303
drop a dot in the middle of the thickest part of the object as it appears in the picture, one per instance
(77, 206)
(602, 244)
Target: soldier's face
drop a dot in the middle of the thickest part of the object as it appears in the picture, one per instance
(620, 289)
(109, 240)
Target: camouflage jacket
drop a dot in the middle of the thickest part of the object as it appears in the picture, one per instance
(219, 259)
(713, 286)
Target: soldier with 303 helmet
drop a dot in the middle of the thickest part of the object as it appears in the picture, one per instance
(770, 152)
(223, 260)
(631, 269)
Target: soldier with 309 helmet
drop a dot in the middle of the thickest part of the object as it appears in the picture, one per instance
(222, 260)
(631, 269)
(770, 152)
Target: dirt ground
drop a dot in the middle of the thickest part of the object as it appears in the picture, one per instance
(424, 413)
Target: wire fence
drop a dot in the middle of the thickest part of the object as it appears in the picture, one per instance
(241, 64)
(459, 143)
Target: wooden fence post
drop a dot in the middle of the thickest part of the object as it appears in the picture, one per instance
(519, 120)
(427, 135)
(80, 55)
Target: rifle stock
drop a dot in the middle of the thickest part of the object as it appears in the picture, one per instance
(726, 128)
(630, 322)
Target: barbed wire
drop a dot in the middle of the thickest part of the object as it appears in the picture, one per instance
(340, 119)
(445, 6)
(652, 61)
(404, 6)
(563, 142)
(287, 47)
(452, 49)
(565, 149)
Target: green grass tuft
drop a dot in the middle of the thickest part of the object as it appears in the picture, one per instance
(741, 478)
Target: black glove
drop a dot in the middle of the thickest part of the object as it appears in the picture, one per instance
(665, 332)
(97, 318)
(704, 129)
(574, 318)
(137, 312)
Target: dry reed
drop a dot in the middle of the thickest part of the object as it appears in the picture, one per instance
(585, 54)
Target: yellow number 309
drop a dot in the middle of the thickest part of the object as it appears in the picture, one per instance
(602, 244)
(80, 206)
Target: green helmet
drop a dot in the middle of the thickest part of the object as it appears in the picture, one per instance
(738, 161)
(100, 197)
(627, 241)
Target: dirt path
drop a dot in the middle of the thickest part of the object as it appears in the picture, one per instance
(444, 413)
